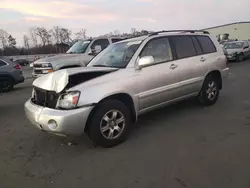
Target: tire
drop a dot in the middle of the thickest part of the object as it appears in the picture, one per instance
(240, 57)
(101, 132)
(6, 84)
(210, 91)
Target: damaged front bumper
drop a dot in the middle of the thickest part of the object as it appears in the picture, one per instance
(59, 122)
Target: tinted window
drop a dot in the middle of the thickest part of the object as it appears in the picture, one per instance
(100, 42)
(115, 40)
(197, 46)
(184, 46)
(2, 63)
(158, 48)
(206, 44)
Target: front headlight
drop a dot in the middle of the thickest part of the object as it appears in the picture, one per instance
(33, 93)
(234, 54)
(46, 65)
(68, 100)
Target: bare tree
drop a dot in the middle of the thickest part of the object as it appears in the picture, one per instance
(33, 36)
(44, 35)
(26, 41)
(65, 35)
(4, 38)
(133, 31)
(11, 41)
(116, 33)
(61, 35)
(81, 34)
(56, 33)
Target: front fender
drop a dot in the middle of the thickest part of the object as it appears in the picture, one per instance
(95, 95)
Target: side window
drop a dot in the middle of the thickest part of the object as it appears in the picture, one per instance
(197, 45)
(2, 63)
(206, 44)
(100, 42)
(116, 40)
(158, 48)
(184, 46)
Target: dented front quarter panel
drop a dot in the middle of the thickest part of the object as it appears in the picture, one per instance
(118, 82)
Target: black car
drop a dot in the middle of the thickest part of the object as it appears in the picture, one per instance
(22, 62)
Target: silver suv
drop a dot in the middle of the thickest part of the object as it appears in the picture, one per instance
(125, 80)
(78, 55)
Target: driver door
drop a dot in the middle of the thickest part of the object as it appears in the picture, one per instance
(157, 83)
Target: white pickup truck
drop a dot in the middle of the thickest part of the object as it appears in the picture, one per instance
(78, 55)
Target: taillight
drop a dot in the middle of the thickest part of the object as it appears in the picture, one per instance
(18, 66)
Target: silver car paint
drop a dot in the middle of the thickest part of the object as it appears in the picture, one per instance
(150, 87)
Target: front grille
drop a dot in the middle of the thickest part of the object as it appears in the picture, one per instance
(37, 65)
(38, 71)
(45, 98)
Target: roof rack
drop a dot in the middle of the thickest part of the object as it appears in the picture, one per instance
(181, 31)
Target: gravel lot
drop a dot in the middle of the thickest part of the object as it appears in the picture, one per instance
(184, 145)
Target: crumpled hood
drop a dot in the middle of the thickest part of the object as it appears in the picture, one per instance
(231, 51)
(57, 81)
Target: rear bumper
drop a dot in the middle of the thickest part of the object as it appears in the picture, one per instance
(21, 80)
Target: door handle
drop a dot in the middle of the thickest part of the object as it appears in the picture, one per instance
(202, 59)
(173, 66)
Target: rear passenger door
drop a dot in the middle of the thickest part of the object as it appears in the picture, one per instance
(189, 66)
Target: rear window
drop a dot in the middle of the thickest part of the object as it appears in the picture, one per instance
(184, 46)
(206, 44)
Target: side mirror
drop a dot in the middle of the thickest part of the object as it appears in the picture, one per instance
(246, 47)
(145, 61)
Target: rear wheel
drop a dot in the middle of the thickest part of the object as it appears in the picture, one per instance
(210, 91)
(110, 124)
(6, 84)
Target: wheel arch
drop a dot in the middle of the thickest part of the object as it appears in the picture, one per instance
(217, 75)
(124, 98)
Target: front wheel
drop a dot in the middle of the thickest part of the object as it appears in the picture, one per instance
(240, 57)
(110, 124)
(210, 91)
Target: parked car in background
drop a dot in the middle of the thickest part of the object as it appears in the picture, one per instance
(237, 50)
(125, 80)
(10, 74)
(22, 62)
(78, 55)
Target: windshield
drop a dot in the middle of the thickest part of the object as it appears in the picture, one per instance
(233, 45)
(79, 47)
(116, 55)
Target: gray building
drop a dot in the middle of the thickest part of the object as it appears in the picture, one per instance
(237, 30)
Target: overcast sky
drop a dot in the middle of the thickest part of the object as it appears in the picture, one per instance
(102, 16)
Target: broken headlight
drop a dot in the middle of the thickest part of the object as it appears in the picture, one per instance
(68, 100)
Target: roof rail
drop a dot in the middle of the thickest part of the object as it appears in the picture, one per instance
(181, 31)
